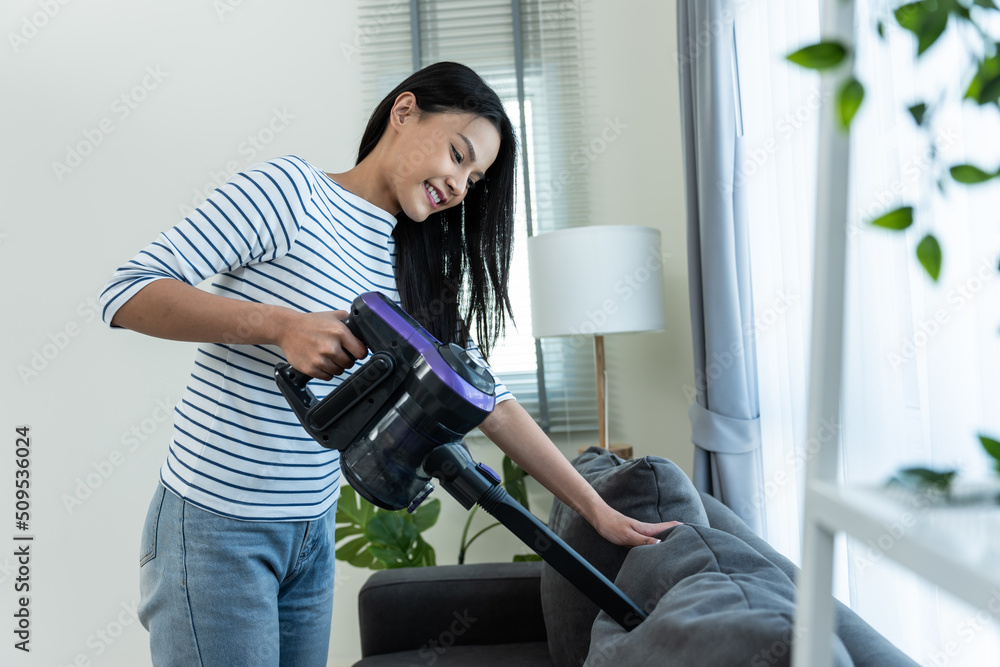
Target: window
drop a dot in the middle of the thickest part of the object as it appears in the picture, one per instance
(493, 37)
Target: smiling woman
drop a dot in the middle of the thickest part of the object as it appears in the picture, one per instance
(439, 146)
(438, 133)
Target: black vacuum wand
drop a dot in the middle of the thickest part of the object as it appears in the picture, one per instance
(399, 420)
(473, 483)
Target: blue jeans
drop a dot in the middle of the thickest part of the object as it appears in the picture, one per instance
(220, 592)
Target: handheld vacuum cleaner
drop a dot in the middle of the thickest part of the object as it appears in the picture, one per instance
(399, 420)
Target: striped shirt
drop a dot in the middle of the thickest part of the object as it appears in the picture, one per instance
(280, 233)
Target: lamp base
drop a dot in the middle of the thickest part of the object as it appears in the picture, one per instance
(619, 450)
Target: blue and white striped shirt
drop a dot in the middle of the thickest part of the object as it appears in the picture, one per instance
(280, 233)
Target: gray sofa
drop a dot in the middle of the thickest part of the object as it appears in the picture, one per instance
(716, 594)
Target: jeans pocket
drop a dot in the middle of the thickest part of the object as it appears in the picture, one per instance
(147, 550)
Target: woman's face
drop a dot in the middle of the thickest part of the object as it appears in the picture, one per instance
(438, 157)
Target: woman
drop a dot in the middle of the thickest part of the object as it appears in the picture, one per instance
(238, 549)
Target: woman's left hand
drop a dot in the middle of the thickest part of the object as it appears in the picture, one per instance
(620, 529)
(517, 434)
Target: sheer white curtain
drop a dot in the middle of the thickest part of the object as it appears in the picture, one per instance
(922, 361)
(780, 112)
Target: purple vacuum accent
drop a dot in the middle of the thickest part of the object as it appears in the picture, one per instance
(417, 337)
(489, 472)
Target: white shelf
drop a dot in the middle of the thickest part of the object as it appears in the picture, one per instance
(965, 565)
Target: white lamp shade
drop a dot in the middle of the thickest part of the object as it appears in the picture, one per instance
(596, 280)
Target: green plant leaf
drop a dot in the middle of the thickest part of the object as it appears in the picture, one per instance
(918, 111)
(881, 29)
(514, 481)
(985, 85)
(910, 15)
(346, 531)
(929, 254)
(991, 91)
(992, 448)
(523, 558)
(391, 556)
(897, 219)
(988, 4)
(849, 99)
(423, 555)
(389, 528)
(351, 549)
(511, 471)
(367, 511)
(518, 491)
(365, 560)
(926, 477)
(820, 56)
(939, 478)
(426, 514)
(347, 507)
(970, 174)
(931, 30)
(926, 19)
(395, 540)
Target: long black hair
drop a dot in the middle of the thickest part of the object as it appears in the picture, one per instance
(461, 254)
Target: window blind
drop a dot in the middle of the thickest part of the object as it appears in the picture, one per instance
(395, 38)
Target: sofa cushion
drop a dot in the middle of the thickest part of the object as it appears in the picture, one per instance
(651, 489)
(712, 601)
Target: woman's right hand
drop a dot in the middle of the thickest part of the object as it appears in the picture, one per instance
(320, 344)
(317, 344)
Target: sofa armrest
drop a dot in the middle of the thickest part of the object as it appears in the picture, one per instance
(424, 607)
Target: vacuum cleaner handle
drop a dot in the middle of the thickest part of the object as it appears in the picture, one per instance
(355, 330)
(298, 380)
(474, 483)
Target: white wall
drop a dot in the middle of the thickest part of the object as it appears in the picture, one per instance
(225, 71)
(638, 180)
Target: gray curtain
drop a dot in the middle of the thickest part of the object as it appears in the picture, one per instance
(725, 420)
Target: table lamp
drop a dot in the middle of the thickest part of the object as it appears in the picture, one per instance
(596, 280)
